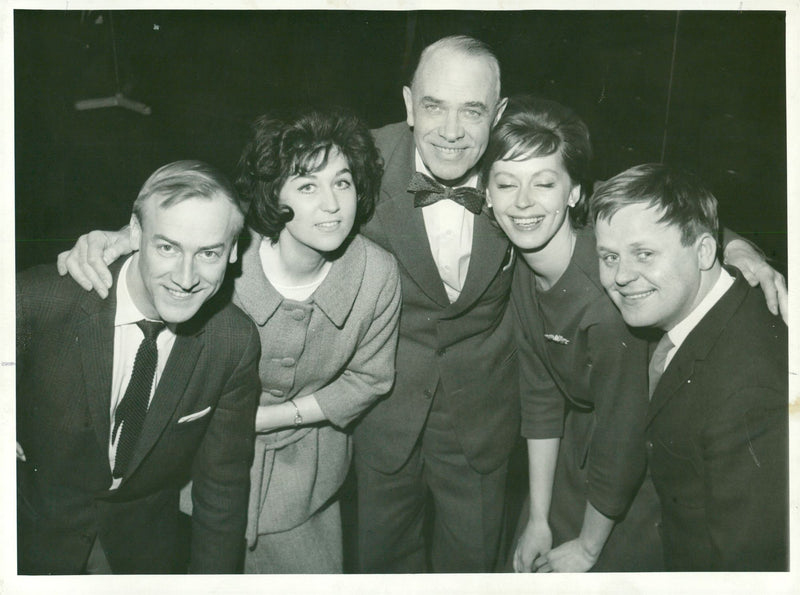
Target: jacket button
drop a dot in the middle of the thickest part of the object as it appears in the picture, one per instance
(649, 445)
(428, 393)
(298, 314)
(287, 362)
(441, 352)
(86, 538)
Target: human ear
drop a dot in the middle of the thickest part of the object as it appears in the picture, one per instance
(409, 101)
(501, 107)
(706, 248)
(234, 252)
(574, 195)
(135, 230)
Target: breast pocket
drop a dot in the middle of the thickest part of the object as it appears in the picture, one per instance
(194, 420)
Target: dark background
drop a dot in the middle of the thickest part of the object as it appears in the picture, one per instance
(705, 88)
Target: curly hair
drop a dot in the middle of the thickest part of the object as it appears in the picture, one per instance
(280, 148)
(536, 127)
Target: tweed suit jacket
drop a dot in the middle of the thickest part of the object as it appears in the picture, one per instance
(466, 348)
(64, 352)
(717, 440)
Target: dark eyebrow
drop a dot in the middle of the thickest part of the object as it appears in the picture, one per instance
(429, 99)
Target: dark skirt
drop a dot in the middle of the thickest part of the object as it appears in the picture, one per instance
(634, 544)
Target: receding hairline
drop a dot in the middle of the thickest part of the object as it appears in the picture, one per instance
(463, 46)
(156, 200)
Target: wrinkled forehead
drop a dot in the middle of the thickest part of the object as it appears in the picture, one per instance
(473, 76)
(192, 207)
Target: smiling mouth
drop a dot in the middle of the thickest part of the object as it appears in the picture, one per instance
(449, 150)
(638, 296)
(328, 225)
(527, 223)
(179, 294)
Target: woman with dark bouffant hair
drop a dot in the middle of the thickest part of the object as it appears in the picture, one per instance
(583, 381)
(326, 302)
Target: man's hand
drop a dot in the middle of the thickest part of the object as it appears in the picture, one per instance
(20, 453)
(87, 262)
(756, 271)
(535, 541)
(572, 556)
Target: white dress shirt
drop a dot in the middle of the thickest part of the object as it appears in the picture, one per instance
(681, 330)
(449, 228)
(127, 338)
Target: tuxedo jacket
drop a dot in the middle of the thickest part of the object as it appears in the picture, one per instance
(465, 348)
(717, 440)
(199, 426)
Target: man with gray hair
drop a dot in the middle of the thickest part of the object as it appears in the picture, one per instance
(444, 433)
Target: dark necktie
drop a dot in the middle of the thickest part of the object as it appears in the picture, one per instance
(657, 363)
(428, 191)
(133, 406)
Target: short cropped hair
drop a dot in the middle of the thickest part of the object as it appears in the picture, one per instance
(294, 146)
(535, 127)
(463, 44)
(683, 200)
(180, 180)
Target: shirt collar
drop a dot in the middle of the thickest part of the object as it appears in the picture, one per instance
(681, 330)
(127, 312)
(334, 297)
(472, 181)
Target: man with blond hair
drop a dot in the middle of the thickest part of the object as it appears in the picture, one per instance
(121, 401)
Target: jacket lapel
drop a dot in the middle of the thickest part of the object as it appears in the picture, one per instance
(490, 249)
(697, 345)
(95, 337)
(408, 237)
(171, 387)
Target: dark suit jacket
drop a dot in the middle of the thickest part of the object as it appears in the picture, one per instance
(466, 346)
(64, 361)
(717, 440)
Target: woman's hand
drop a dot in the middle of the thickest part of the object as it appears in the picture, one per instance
(535, 541)
(572, 556)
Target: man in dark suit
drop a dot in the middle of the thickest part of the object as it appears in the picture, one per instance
(449, 424)
(717, 424)
(110, 425)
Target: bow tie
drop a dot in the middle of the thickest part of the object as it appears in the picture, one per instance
(428, 191)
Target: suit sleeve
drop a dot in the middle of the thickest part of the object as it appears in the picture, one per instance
(370, 372)
(745, 457)
(617, 367)
(221, 471)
